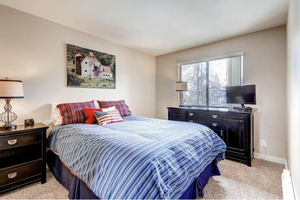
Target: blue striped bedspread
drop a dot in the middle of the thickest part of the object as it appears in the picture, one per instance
(140, 158)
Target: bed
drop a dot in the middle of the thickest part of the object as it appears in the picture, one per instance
(140, 158)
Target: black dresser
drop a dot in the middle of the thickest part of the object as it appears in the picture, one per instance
(236, 128)
(22, 156)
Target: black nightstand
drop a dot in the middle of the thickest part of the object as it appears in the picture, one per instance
(22, 156)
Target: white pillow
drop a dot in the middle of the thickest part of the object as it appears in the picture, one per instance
(55, 118)
(96, 104)
(108, 109)
(55, 115)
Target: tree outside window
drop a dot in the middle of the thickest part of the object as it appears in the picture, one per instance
(207, 81)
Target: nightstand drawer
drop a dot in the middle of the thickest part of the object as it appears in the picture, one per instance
(15, 174)
(18, 141)
(19, 155)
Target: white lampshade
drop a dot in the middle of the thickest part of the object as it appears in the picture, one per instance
(181, 86)
(10, 89)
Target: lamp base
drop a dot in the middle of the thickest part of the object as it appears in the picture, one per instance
(8, 116)
(6, 127)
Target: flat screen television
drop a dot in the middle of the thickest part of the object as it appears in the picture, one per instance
(241, 94)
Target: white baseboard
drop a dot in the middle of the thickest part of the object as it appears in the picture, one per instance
(271, 159)
(286, 178)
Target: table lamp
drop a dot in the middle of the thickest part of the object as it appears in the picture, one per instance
(9, 89)
(181, 86)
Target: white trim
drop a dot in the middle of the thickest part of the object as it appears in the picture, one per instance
(293, 185)
(288, 189)
(270, 158)
(292, 178)
(242, 53)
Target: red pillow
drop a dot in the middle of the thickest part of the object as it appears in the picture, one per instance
(72, 112)
(90, 116)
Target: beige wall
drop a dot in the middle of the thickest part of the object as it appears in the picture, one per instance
(265, 66)
(34, 50)
(293, 94)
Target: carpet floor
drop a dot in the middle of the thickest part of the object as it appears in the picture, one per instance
(238, 181)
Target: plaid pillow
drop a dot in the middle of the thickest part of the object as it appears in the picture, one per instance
(108, 117)
(73, 112)
(120, 105)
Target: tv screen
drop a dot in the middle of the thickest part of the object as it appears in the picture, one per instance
(241, 94)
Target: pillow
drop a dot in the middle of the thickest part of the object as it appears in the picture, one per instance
(108, 117)
(120, 105)
(55, 117)
(89, 115)
(73, 112)
(108, 109)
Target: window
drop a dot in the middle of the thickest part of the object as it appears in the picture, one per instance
(207, 81)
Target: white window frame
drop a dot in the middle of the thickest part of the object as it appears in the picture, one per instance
(237, 54)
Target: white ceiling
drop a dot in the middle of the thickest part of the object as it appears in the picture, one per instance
(158, 27)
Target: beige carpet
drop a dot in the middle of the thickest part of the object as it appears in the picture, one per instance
(238, 181)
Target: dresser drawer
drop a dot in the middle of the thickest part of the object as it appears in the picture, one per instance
(213, 124)
(177, 115)
(15, 174)
(205, 115)
(18, 141)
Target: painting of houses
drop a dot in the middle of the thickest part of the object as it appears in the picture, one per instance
(90, 69)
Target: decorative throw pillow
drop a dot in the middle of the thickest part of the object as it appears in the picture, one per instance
(108, 117)
(73, 112)
(120, 105)
(90, 116)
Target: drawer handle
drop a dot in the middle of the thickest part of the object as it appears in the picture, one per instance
(191, 114)
(191, 121)
(215, 116)
(12, 142)
(12, 175)
(214, 124)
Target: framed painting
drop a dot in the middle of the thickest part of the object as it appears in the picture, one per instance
(90, 69)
